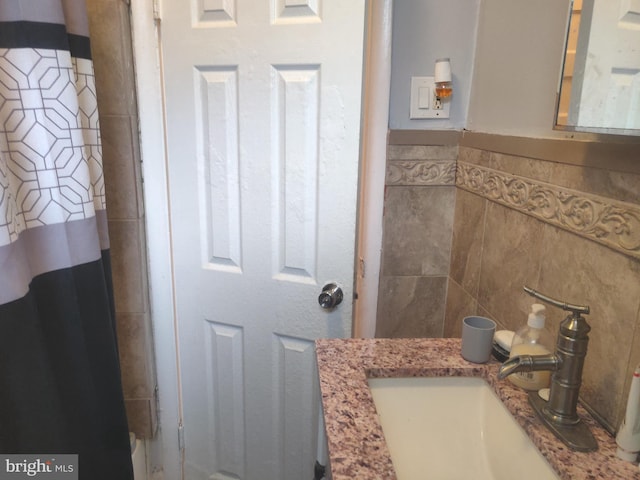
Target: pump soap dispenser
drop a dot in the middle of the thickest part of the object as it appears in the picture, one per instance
(532, 339)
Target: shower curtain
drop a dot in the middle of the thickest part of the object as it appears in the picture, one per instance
(60, 389)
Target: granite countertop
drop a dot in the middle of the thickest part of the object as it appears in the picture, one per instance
(356, 444)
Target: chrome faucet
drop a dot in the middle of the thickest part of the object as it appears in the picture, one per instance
(559, 413)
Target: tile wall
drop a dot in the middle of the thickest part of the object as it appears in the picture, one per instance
(566, 229)
(418, 222)
(570, 231)
(113, 64)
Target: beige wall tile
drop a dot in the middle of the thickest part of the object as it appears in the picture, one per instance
(411, 307)
(474, 156)
(466, 246)
(610, 222)
(518, 249)
(422, 152)
(510, 259)
(113, 58)
(137, 376)
(459, 304)
(112, 53)
(605, 183)
(524, 167)
(580, 271)
(121, 178)
(142, 416)
(485, 313)
(418, 222)
(127, 265)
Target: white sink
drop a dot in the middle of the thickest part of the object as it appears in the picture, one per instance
(448, 428)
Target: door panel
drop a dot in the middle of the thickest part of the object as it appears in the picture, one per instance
(263, 121)
(216, 103)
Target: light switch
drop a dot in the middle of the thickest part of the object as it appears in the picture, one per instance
(424, 97)
(423, 100)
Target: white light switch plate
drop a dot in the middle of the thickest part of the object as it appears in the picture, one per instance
(426, 109)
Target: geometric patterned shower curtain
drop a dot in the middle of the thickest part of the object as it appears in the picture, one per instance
(60, 388)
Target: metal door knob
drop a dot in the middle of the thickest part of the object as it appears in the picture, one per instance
(331, 296)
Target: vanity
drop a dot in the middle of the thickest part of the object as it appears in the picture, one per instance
(357, 447)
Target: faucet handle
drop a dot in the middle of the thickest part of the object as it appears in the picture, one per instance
(575, 309)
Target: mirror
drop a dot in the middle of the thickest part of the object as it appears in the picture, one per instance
(600, 84)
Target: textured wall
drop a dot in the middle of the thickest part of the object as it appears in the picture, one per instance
(418, 222)
(113, 63)
(570, 231)
(518, 60)
(424, 30)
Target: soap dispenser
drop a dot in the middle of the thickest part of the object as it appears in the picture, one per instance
(532, 339)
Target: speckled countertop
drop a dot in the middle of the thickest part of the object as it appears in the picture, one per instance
(357, 449)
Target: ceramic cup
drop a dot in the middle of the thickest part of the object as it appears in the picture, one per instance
(477, 338)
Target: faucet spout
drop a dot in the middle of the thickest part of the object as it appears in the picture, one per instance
(529, 363)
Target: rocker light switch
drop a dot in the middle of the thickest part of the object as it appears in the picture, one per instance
(423, 100)
(424, 97)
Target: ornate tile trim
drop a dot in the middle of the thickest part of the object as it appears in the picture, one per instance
(421, 172)
(606, 221)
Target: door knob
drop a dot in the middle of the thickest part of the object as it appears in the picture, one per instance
(331, 296)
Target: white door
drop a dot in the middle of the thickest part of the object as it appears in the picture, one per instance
(610, 89)
(263, 106)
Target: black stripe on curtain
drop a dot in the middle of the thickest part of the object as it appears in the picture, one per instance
(50, 36)
(60, 389)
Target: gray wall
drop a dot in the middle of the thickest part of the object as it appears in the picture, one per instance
(518, 64)
(424, 30)
(506, 58)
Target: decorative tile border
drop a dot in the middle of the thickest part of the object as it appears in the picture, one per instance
(606, 221)
(421, 172)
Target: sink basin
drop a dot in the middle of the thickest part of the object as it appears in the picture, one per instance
(450, 428)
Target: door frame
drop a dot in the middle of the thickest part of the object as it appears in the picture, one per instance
(164, 449)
